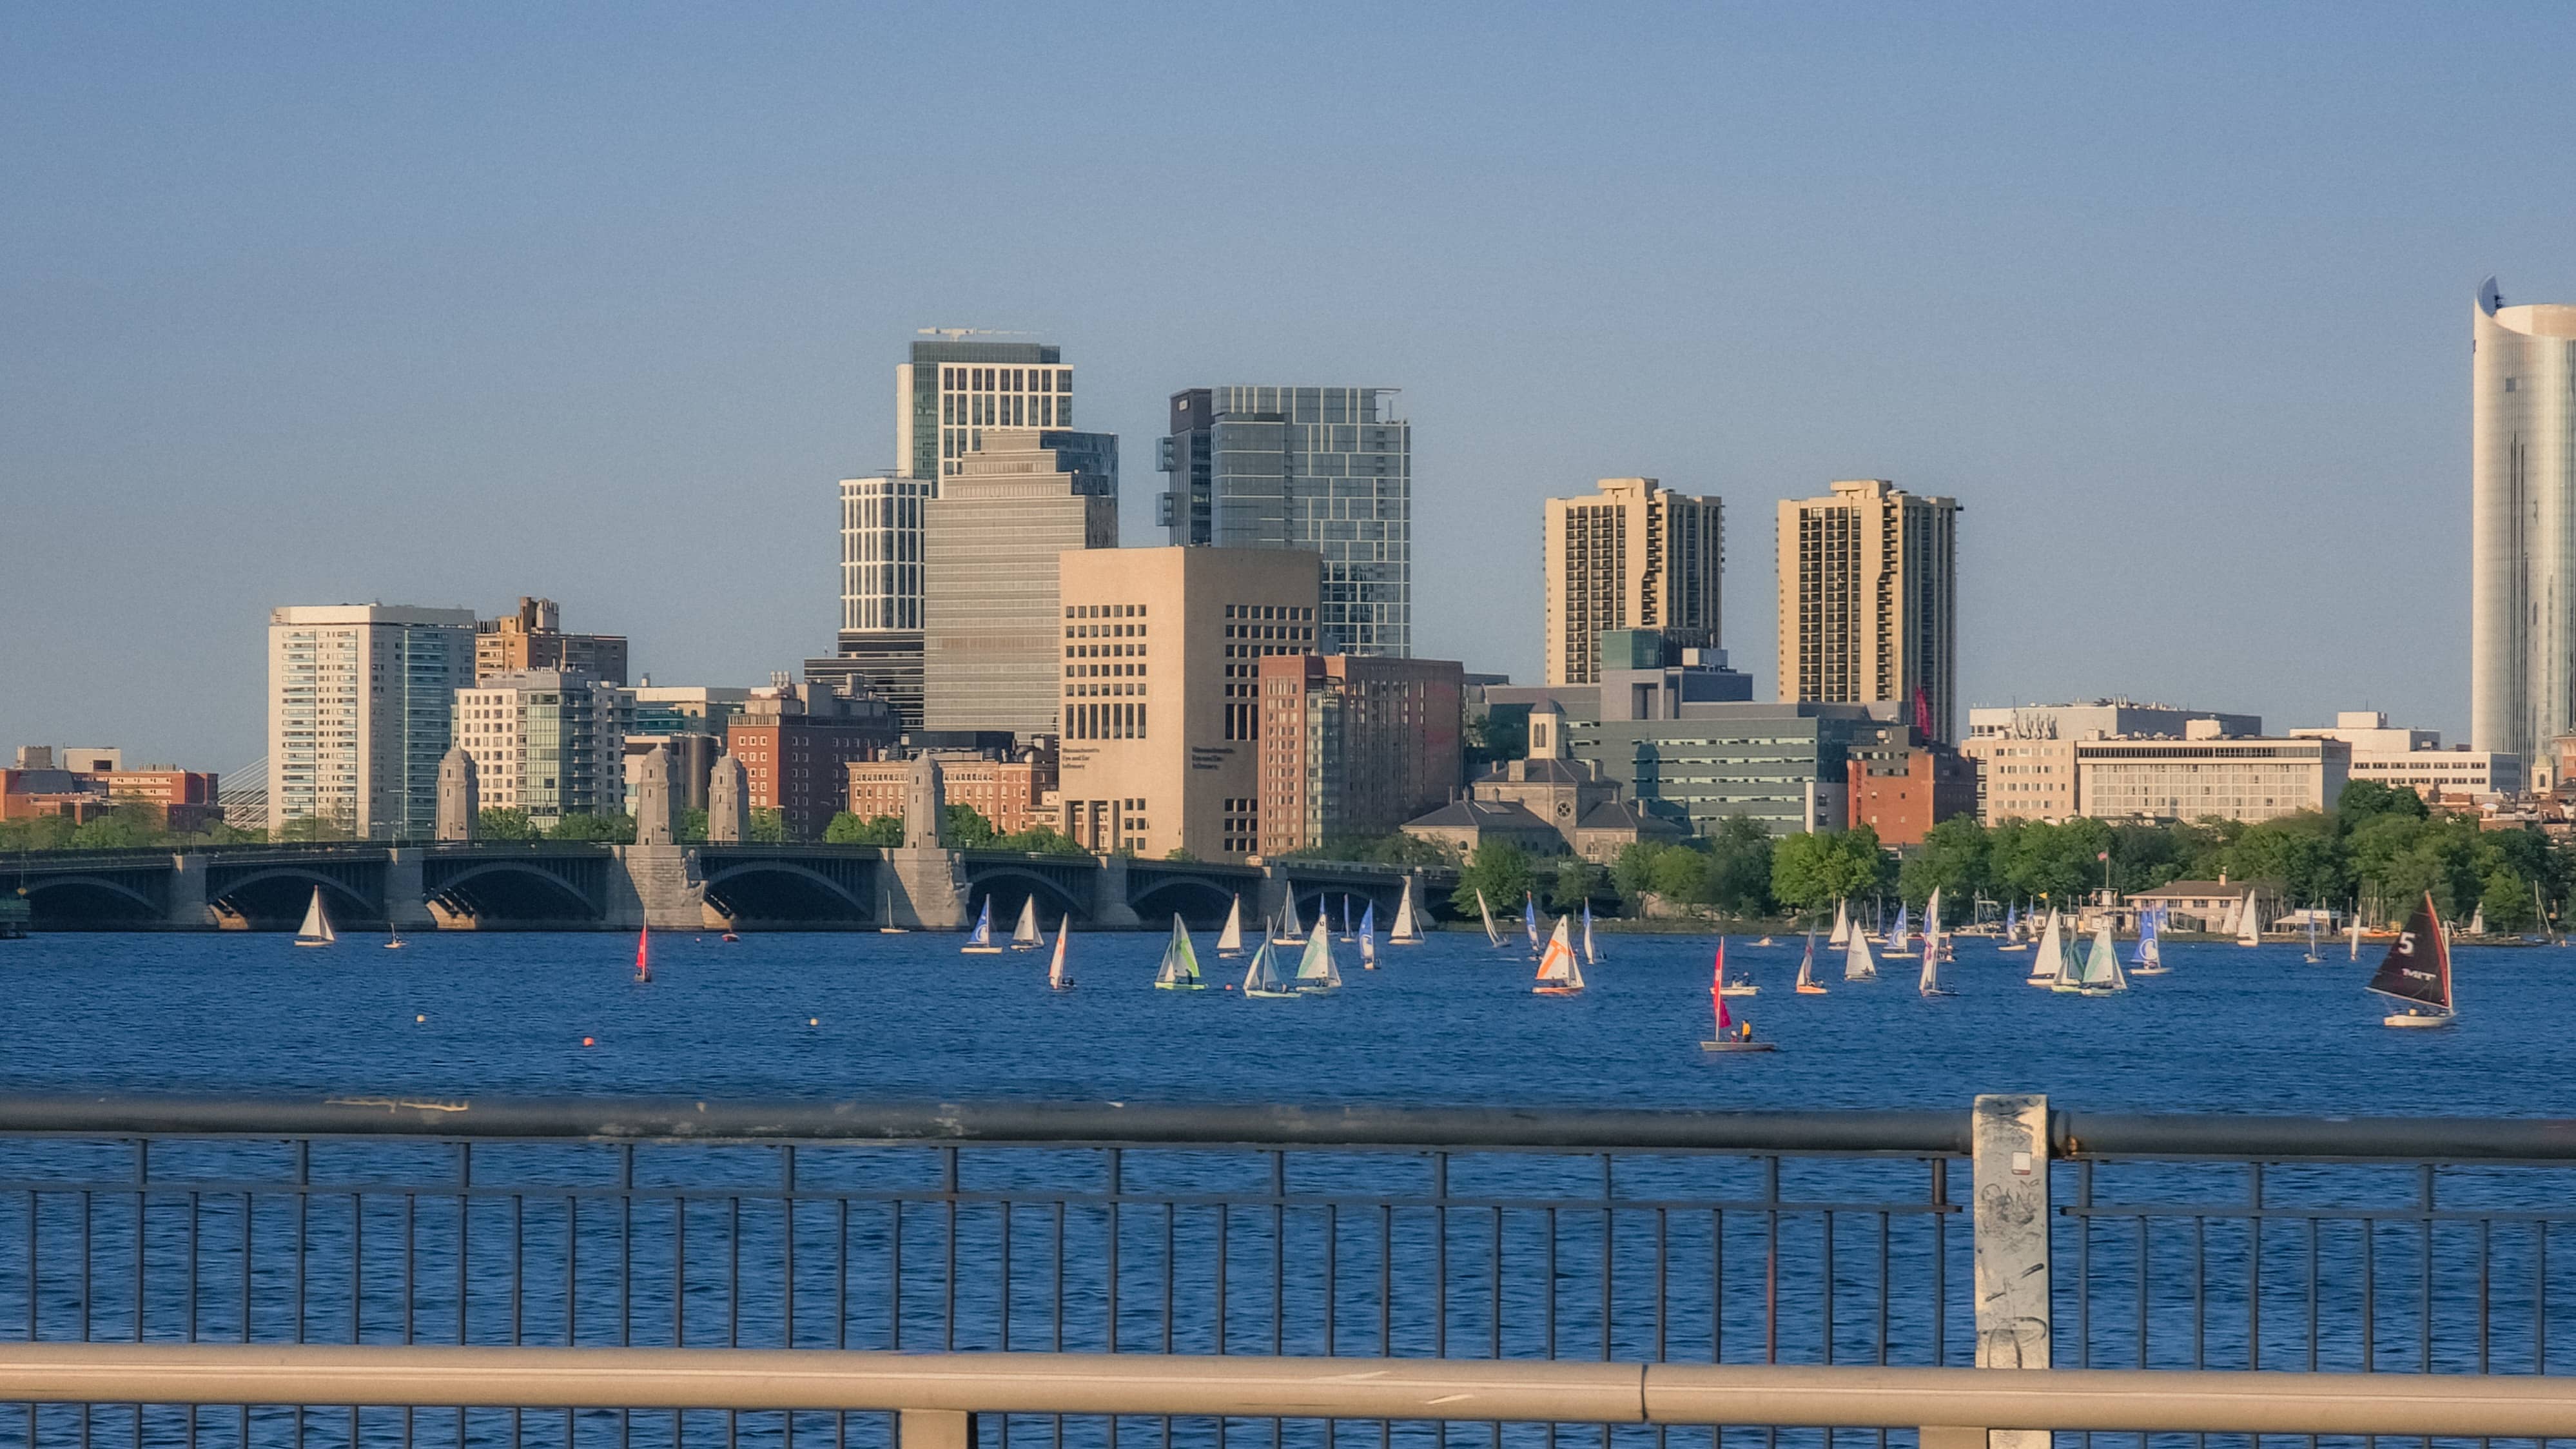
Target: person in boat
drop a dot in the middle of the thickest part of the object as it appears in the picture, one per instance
(1744, 1031)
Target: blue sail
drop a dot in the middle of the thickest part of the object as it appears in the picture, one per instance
(983, 925)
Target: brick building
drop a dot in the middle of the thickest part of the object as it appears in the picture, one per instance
(1014, 794)
(1353, 746)
(796, 744)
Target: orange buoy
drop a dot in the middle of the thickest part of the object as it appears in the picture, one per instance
(586, 1041)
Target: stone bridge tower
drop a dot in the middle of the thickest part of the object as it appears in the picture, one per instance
(728, 802)
(460, 796)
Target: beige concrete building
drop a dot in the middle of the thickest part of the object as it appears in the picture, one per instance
(2414, 759)
(990, 539)
(2208, 775)
(1636, 555)
(360, 698)
(1869, 599)
(532, 637)
(2026, 753)
(1160, 672)
(548, 742)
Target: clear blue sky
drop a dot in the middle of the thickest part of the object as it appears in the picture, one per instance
(446, 304)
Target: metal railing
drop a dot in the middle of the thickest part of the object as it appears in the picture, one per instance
(1660, 1238)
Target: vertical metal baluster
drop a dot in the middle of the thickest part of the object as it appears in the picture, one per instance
(1825, 1298)
(2369, 1294)
(572, 1287)
(464, 1237)
(1771, 1280)
(1224, 1220)
(894, 1272)
(625, 1273)
(303, 1239)
(1278, 1262)
(1003, 1292)
(1548, 1315)
(35, 1295)
(2254, 1270)
(1717, 1285)
(410, 1288)
(2084, 1267)
(1055, 1335)
(2540, 1296)
(1440, 1255)
(250, 1206)
(1940, 1193)
(2146, 1258)
(2199, 1291)
(679, 1276)
(733, 1300)
(2312, 1293)
(948, 1282)
(1494, 1325)
(2424, 1285)
(841, 1305)
(1884, 1288)
(518, 1300)
(2486, 1242)
(142, 1212)
(1332, 1277)
(1171, 1276)
(1386, 1304)
(787, 1264)
(1109, 1305)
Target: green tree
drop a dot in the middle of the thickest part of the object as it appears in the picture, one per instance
(691, 827)
(1575, 880)
(878, 830)
(615, 829)
(1179, 853)
(1036, 840)
(119, 827)
(2366, 799)
(1814, 870)
(500, 822)
(314, 827)
(1498, 868)
(1952, 860)
(968, 829)
(1494, 736)
(2507, 900)
(1739, 866)
(768, 827)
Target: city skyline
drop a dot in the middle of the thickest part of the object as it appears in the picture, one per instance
(2284, 398)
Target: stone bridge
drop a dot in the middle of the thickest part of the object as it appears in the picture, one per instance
(567, 885)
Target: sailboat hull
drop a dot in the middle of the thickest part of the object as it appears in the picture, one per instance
(2022, 947)
(1814, 991)
(2416, 1019)
(314, 943)
(1739, 991)
(1937, 991)
(1180, 986)
(1274, 995)
(1713, 1047)
(1556, 991)
(979, 950)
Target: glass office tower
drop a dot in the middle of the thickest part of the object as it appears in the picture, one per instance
(1325, 469)
(2522, 525)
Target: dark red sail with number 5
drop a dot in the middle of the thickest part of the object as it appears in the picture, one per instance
(2418, 967)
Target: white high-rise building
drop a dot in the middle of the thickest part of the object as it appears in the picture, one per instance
(2522, 524)
(951, 391)
(360, 706)
(546, 741)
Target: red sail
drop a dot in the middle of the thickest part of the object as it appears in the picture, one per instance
(643, 954)
(2418, 965)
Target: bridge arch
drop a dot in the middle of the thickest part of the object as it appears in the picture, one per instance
(1197, 900)
(276, 896)
(515, 890)
(85, 900)
(771, 889)
(1007, 885)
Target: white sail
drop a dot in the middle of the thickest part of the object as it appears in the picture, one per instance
(1492, 936)
(2047, 961)
(1842, 924)
(1405, 933)
(1179, 970)
(1807, 963)
(1857, 962)
(1591, 956)
(2249, 923)
(1289, 930)
(1316, 970)
(2354, 933)
(1057, 978)
(316, 930)
(2112, 977)
(1229, 942)
(1024, 936)
(1261, 978)
(2478, 919)
(1558, 970)
(1929, 983)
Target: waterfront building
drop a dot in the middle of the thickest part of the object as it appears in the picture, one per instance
(1352, 746)
(2208, 775)
(1324, 469)
(951, 391)
(1579, 808)
(84, 781)
(2522, 524)
(880, 642)
(1014, 794)
(1901, 785)
(991, 538)
(2026, 753)
(549, 742)
(1869, 600)
(2414, 759)
(795, 744)
(1636, 556)
(532, 637)
(1160, 668)
(2210, 905)
(360, 700)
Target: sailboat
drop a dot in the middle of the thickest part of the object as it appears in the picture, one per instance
(2313, 957)
(316, 930)
(1289, 933)
(1857, 963)
(393, 937)
(1316, 970)
(1493, 937)
(2478, 920)
(1262, 978)
(1559, 974)
(1024, 936)
(1058, 978)
(1229, 942)
(979, 942)
(2417, 971)
(1842, 925)
(1346, 916)
(1368, 937)
(1935, 949)
(1899, 936)
(644, 955)
(1529, 920)
(1731, 988)
(1731, 1036)
(1591, 955)
(2150, 954)
(1807, 985)
(1180, 968)
(1406, 932)
(2012, 930)
(2098, 973)
(887, 915)
(2048, 961)
(2352, 933)
(2249, 922)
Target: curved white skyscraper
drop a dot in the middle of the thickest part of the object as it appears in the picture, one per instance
(2522, 535)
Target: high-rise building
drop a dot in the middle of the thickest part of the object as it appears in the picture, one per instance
(990, 539)
(1161, 654)
(1869, 600)
(879, 650)
(360, 698)
(533, 638)
(1327, 469)
(1636, 555)
(951, 391)
(2522, 524)
(547, 741)
(1353, 747)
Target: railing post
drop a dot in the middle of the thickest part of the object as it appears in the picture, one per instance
(934, 1429)
(2011, 1220)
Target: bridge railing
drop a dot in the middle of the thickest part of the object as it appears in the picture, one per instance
(1823, 1239)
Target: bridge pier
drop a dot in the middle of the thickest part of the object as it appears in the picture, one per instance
(187, 908)
(406, 894)
(924, 889)
(1109, 908)
(1275, 887)
(656, 885)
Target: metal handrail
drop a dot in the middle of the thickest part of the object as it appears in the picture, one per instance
(956, 1384)
(2073, 1135)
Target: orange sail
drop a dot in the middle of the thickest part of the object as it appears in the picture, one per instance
(644, 954)
(1558, 972)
